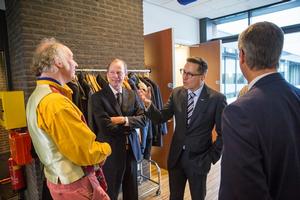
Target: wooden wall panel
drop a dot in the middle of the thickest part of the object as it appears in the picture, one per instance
(158, 51)
(211, 53)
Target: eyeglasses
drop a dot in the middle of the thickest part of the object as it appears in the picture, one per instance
(188, 74)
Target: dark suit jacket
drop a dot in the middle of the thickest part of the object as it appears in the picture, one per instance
(198, 137)
(104, 106)
(261, 133)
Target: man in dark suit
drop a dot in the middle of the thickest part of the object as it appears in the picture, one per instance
(116, 115)
(261, 130)
(197, 109)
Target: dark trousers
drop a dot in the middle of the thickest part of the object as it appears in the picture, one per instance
(118, 173)
(184, 171)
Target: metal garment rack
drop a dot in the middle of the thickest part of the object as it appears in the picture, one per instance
(142, 177)
(104, 70)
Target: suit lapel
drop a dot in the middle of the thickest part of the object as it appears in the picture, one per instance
(125, 98)
(200, 105)
(184, 96)
(113, 101)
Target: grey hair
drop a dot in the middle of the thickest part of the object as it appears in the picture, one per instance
(45, 54)
(262, 45)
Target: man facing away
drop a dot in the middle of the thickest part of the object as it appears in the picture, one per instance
(62, 140)
(197, 110)
(116, 115)
(261, 130)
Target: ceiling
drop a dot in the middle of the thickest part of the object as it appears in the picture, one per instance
(211, 8)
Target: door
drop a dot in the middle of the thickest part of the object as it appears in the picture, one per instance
(211, 53)
(158, 50)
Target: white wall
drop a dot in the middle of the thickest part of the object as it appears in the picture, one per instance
(185, 28)
(181, 54)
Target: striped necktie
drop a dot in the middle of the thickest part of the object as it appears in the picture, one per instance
(190, 106)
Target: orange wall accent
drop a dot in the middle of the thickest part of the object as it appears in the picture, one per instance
(211, 53)
(158, 51)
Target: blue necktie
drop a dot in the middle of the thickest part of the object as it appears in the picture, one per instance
(190, 106)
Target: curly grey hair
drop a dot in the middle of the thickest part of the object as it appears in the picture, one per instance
(45, 54)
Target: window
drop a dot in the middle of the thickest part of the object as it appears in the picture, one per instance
(286, 14)
(290, 59)
(229, 26)
(289, 16)
(232, 79)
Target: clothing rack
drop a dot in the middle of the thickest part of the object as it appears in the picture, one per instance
(154, 184)
(142, 177)
(104, 70)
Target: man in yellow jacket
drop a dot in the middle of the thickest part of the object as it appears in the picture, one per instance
(61, 138)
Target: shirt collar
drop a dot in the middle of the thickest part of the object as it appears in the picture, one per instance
(115, 91)
(63, 89)
(198, 91)
(258, 78)
(49, 79)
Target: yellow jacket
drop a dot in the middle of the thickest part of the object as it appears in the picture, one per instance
(59, 133)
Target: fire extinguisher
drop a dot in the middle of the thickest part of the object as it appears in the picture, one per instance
(16, 175)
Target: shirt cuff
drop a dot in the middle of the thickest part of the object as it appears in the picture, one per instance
(126, 121)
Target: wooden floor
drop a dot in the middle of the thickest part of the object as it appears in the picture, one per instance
(213, 182)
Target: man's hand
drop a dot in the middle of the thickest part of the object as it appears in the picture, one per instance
(118, 120)
(145, 96)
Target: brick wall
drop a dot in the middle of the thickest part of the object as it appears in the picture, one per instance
(4, 146)
(95, 30)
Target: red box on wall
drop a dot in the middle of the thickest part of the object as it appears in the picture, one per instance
(20, 147)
